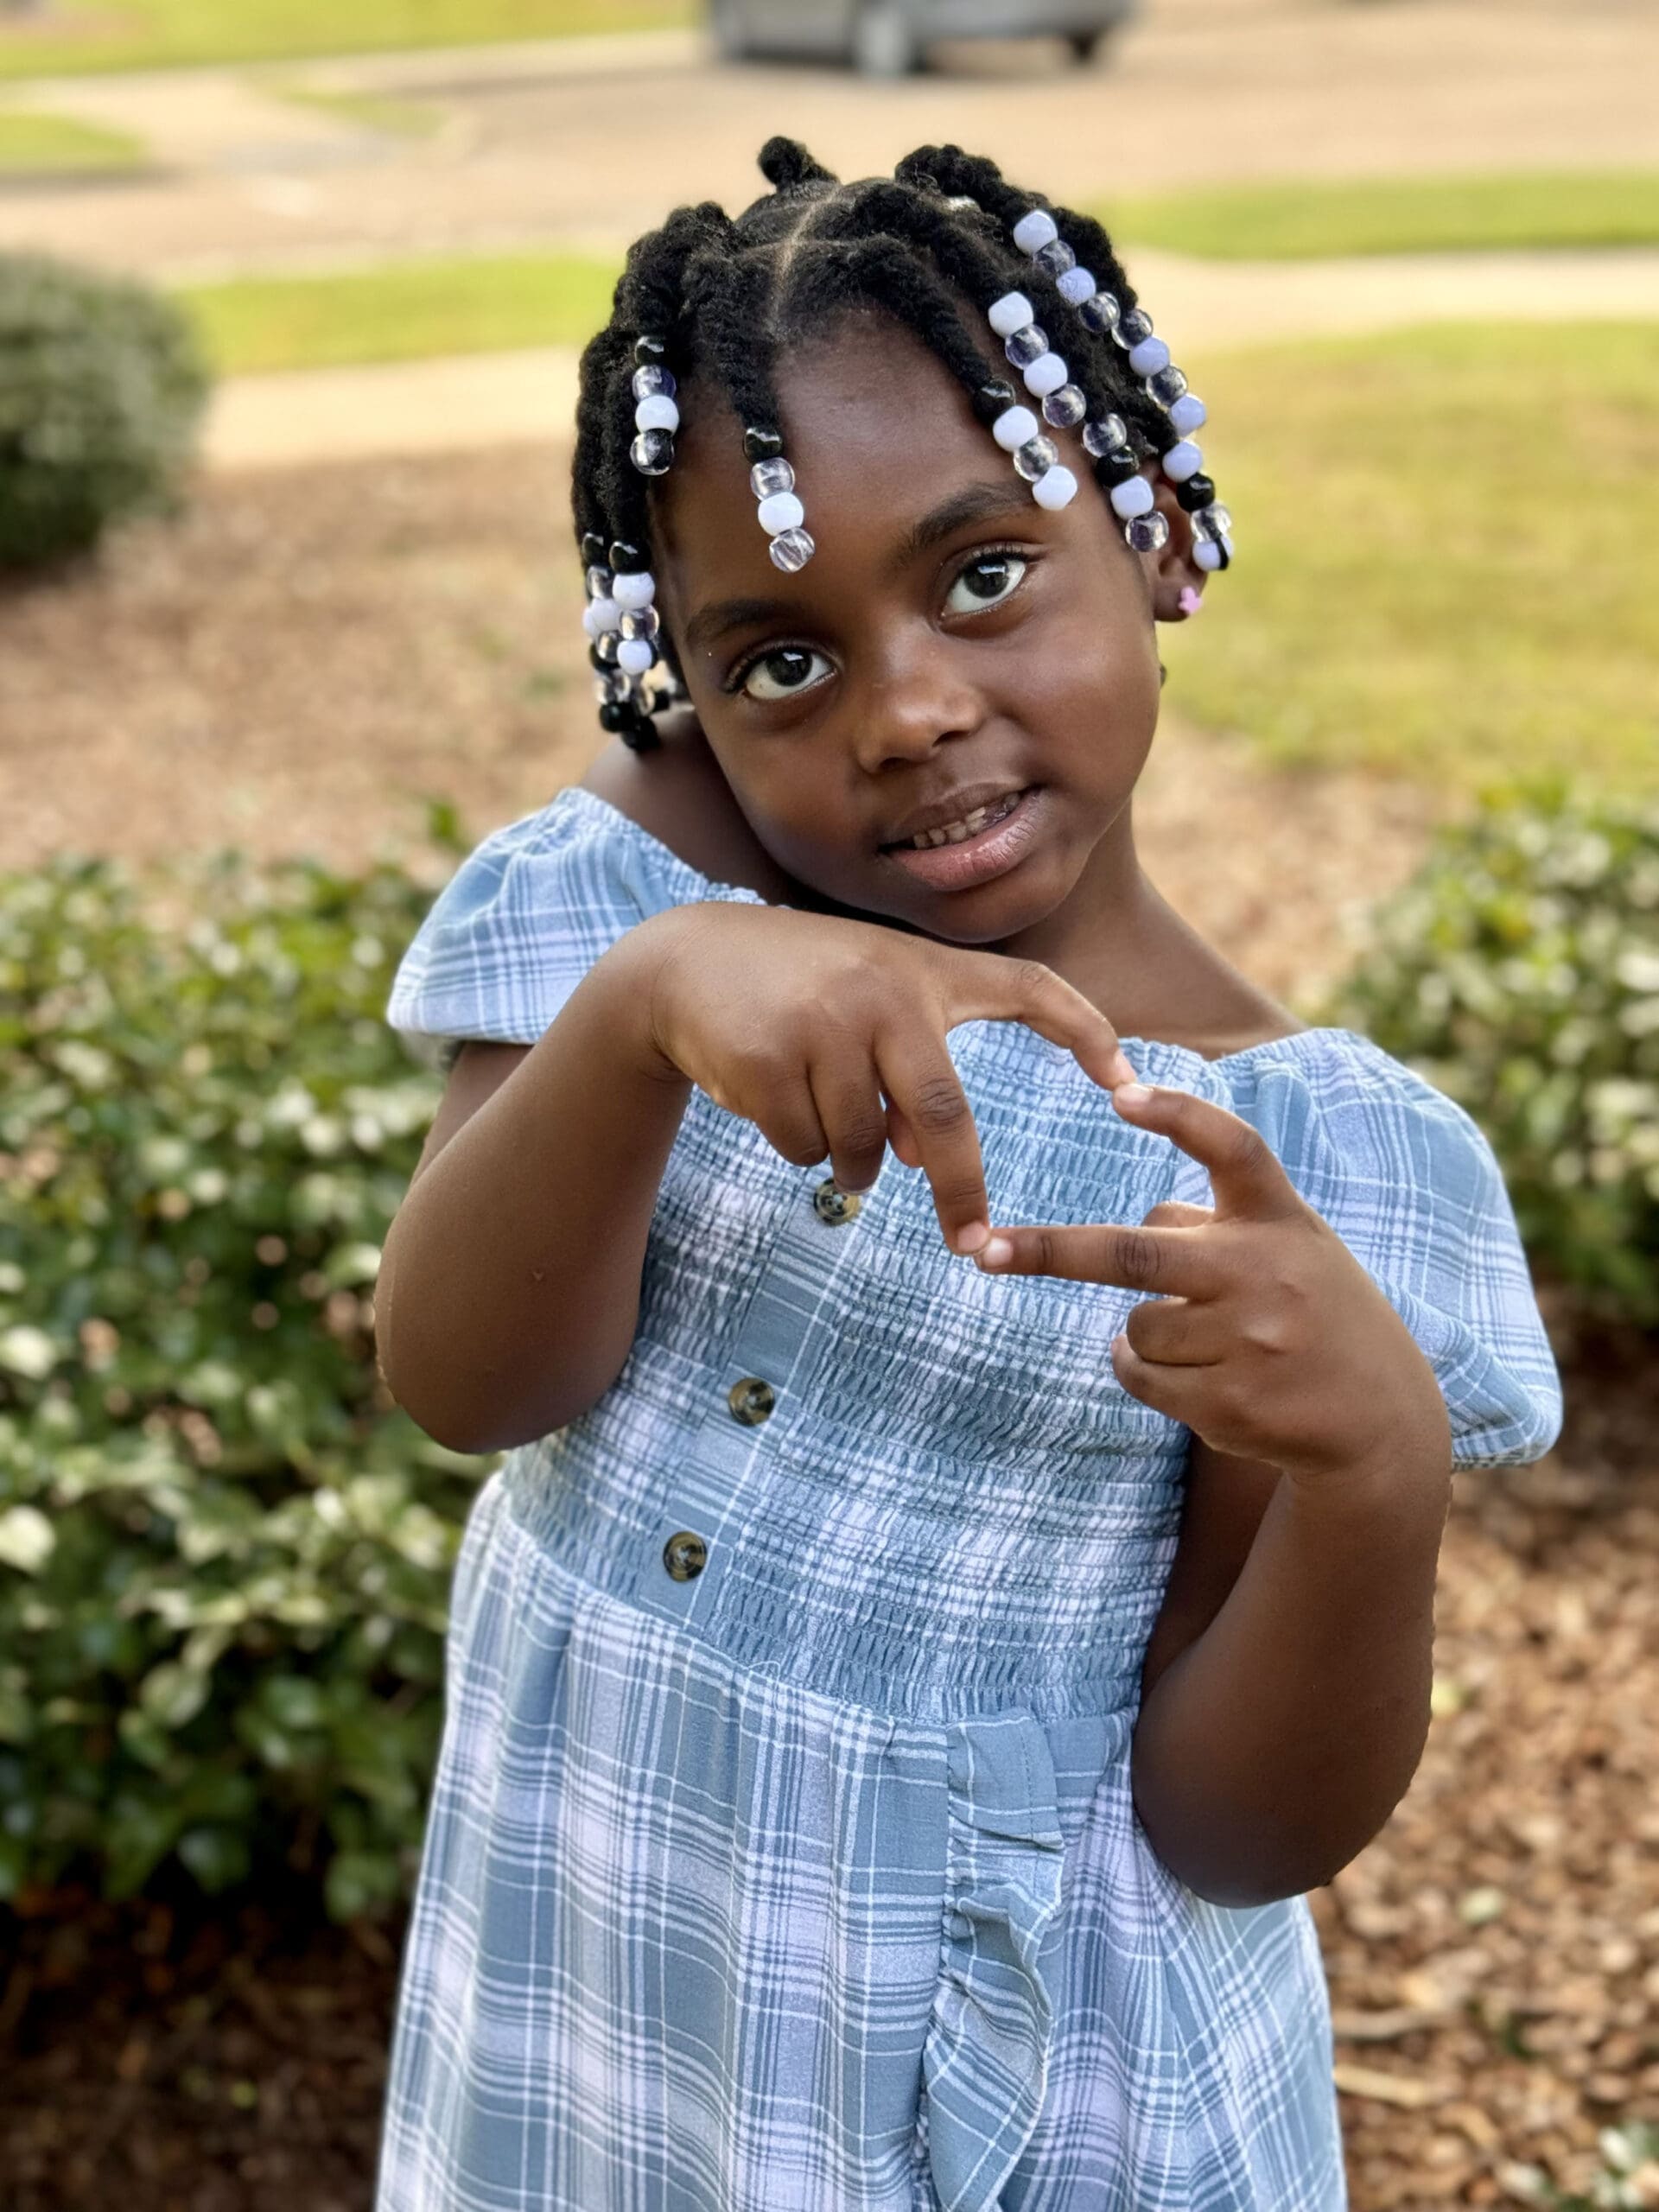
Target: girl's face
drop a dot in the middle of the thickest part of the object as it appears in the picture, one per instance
(953, 658)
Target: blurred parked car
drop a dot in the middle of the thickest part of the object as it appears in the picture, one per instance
(889, 38)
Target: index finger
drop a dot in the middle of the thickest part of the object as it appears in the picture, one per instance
(1245, 1172)
(1171, 1262)
(918, 1075)
(992, 987)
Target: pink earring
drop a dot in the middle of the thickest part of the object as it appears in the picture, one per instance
(1189, 602)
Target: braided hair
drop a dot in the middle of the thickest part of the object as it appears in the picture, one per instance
(717, 297)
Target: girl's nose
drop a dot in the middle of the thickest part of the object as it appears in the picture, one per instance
(916, 698)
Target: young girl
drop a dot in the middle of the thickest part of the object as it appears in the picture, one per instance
(931, 1627)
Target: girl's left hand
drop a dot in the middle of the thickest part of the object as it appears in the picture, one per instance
(1268, 1338)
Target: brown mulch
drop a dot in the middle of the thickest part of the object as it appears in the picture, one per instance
(295, 668)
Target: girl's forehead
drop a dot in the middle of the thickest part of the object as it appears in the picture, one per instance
(872, 424)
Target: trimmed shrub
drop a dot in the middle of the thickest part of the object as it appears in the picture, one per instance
(101, 391)
(1519, 971)
(224, 1554)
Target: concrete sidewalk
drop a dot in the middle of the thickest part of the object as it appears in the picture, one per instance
(1204, 307)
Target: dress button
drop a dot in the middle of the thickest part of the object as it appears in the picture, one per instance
(832, 1204)
(685, 1555)
(751, 1401)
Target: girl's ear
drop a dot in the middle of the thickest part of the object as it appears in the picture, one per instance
(1175, 577)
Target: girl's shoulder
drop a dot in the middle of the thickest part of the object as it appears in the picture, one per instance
(526, 915)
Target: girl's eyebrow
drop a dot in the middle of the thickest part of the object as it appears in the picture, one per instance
(974, 503)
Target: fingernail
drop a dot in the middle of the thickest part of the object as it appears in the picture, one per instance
(1122, 1071)
(1132, 1094)
(997, 1253)
(972, 1235)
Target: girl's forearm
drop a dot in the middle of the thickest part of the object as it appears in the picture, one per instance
(1272, 1750)
(510, 1285)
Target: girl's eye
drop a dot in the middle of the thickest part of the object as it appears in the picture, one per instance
(782, 673)
(986, 580)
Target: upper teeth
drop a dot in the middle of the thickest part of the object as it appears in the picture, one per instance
(953, 832)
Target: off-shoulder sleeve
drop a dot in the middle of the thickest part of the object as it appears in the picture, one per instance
(524, 919)
(1409, 1182)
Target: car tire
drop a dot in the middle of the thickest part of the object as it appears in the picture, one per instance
(884, 44)
(729, 29)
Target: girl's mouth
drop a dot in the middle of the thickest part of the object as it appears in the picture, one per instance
(983, 843)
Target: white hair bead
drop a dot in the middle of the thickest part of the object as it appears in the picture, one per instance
(1076, 285)
(1045, 374)
(1033, 232)
(1208, 553)
(778, 512)
(1188, 414)
(1182, 461)
(657, 411)
(1149, 355)
(636, 655)
(1015, 427)
(1055, 488)
(1132, 498)
(599, 615)
(1011, 313)
(633, 587)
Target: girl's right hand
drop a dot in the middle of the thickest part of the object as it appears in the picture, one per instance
(828, 1035)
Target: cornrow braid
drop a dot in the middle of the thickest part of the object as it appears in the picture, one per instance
(714, 297)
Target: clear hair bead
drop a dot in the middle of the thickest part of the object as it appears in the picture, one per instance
(1105, 436)
(1055, 258)
(1100, 311)
(651, 380)
(1035, 457)
(792, 550)
(641, 622)
(1147, 533)
(598, 580)
(1166, 386)
(1065, 408)
(652, 453)
(1133, 325)
(769, 476)
(1025, 345)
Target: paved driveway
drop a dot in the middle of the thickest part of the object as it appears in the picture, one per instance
(589, 141)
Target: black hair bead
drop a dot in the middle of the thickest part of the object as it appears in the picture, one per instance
(626, 560)
(992, 400)
(647, 351)
(1197, 491)
(761, 444)
(593, 549)
(1116, 467)
(638, 732)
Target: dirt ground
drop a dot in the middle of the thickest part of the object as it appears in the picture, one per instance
(293, 668)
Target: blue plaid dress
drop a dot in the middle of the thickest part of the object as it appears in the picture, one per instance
(782, 1856)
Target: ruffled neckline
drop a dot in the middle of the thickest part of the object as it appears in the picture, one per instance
(668, 862)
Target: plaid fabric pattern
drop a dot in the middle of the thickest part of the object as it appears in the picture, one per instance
(814, 1881)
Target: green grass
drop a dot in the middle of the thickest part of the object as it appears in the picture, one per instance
(397, 118)
(53, 145)
(403, 312)
(1444, 563)
(1295, 221)
(94, 35)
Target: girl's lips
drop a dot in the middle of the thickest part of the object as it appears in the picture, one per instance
(997, 848)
